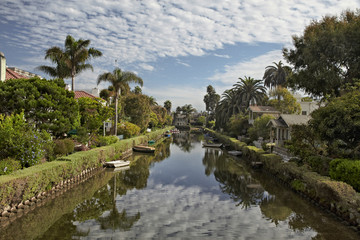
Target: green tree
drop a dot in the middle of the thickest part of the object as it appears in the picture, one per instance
(46, 103)
(211, 100)
(249, 91)
(167, 106)
(239, 124)
(226, 108)
(137, 90)
(260, 128)
(93, 114)
(137, 107)
(286, 102)
(339, 121)
(105, 94)
(326, 57)
(120, 81)
(275, 76)
(161, 114)
(19, 140)
(71, 60)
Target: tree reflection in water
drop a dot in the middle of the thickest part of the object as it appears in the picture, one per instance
(234, 179)
(102, 206)
(185, 139)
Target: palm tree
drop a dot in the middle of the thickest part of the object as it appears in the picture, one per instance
(167, 106)
(276, 76)
(70, 61)
(249, 91)
(226, 107)
(120, 81)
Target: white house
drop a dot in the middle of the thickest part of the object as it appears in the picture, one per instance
(281, 127)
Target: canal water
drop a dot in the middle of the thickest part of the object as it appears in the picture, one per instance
(183, 191)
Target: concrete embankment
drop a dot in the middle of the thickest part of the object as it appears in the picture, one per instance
(24, 189)
(333, 196)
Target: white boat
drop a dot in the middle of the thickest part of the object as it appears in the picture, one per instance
(214, 145)
(235, 153)
(117, 164)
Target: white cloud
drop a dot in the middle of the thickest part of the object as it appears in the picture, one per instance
(221, 56)
(189, 213)
(179, 96)
(254, 68)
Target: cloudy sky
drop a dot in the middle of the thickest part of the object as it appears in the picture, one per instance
(178, 47)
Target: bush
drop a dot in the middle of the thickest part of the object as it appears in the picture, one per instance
(69, 145)
(107, 140)
(347, 171)
(19, 140)
(128, 129)
(319, 164)
(63, 147)
(8, 166)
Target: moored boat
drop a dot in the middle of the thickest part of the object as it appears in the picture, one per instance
(214, 145)
(143, 149)
(117, 164)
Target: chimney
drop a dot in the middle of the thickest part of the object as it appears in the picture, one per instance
(2, 67)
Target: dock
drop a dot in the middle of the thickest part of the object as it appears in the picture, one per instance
(117, 164)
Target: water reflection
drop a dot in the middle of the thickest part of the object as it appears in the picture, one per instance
(196, 193)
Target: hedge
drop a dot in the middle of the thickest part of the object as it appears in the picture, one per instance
(346, 170)
(29, 182)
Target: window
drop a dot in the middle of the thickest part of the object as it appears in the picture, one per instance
(303, 113)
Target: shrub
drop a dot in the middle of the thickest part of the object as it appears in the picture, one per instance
(319, 164)
(69, 145)
(60, 148)
(19, 140)
(128, 129)
(8, 166)
(347, 171)
(107, 140)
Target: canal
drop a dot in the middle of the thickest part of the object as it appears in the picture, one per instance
(184, 191)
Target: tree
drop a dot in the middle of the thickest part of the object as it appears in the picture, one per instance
(93, 114)
(71, 60)
(137, 90)
(105, 94)
(338, 122)
(120, 81)
(211, 100)
(167, 106)
(46, 103)
(260, 128)
(239, 124)
(286, 102)
(275, 76)
(226, 108)
(137, 107)
(249, 91)
(326, 57)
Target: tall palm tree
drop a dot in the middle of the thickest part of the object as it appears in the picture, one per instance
(249, 91)
(275, 76)
(167, 106)
(120, 81)
(71, 60)
(226, 107)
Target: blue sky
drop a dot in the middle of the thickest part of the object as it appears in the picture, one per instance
(178, 47)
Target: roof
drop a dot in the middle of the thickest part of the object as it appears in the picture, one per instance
(10, 74)
(287, 120)
(80, 94)
(263, 109)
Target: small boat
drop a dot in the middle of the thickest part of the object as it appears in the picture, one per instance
(214, 145)
(117, 164)
(235, 153)
(150, 142)
(167, 135)
(143, 149)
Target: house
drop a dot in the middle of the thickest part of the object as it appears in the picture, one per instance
(80, 94)
(181, 120)
(7, 73)
(257, 111)
(307, 104)
(281, 127)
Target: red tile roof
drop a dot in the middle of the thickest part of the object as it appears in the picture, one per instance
(80, 94)
(263, 109)
(10, 74)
